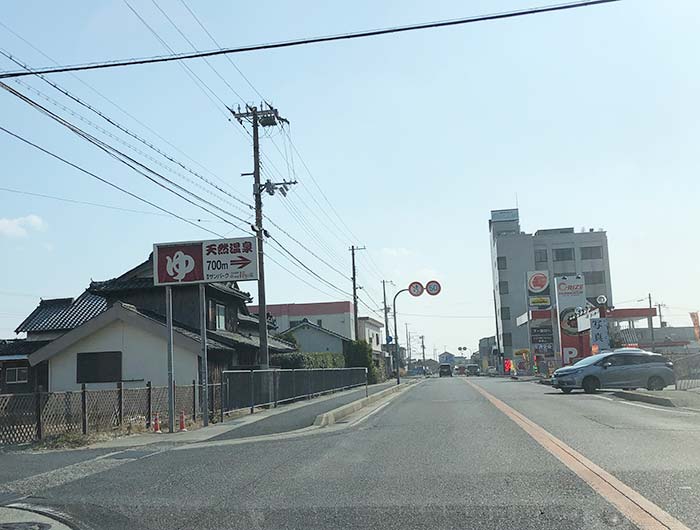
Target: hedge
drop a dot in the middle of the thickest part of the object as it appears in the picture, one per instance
(297, 360)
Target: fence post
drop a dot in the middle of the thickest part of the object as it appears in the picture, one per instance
(252, 393)
(149, 405)
(366, 384)
(294, 384)
(83, 406)
(120, 402)
(275, 382)
(194, 400)
(37, 413)
(308, 383)
(221, 394)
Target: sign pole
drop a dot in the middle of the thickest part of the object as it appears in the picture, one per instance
(171, 369)
(205, 363)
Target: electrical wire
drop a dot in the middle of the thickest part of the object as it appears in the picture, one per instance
(305, 41)
(105, 181)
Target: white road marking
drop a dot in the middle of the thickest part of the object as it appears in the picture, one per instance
(658, 409)
(360, 420)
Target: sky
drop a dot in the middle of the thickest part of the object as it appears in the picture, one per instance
(401, 144)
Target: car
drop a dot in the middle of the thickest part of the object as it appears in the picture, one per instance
(491, 372)
(445, 370)
(626, 368)
(473, 369)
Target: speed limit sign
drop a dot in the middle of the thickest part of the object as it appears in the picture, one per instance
(416, 288)
(433, 287)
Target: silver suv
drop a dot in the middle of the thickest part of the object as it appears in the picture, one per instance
(626, 368)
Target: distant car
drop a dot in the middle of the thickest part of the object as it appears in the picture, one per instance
(460, 370)
(445, 370)
(491, 371)
(473, 369)
(626, 368)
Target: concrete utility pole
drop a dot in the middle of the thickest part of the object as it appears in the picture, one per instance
(408, 347)
(651, 326)
(266, 118)
(422, 346)
(352, 249)
(386, 319)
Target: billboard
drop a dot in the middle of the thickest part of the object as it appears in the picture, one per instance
(218, 260)
(600, 337)
(570, 294)
(539, 300)
(696, 324)
(504, 215)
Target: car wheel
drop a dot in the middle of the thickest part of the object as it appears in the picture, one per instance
(590, 385)
(655, 383)
(566, 390)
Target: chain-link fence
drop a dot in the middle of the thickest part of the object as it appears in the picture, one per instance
(252, 388)
(687, 371)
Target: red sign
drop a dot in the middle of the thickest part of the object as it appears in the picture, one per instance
(537, 282)
(219, 260)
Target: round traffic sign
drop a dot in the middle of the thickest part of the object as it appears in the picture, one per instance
(433, 287)
(416, 288)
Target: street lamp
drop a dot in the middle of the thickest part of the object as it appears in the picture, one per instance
(396, 339)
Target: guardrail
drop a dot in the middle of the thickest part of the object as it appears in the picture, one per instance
(254, 388)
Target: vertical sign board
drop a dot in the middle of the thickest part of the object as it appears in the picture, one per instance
(199, 262)
(571, 293)
(600, 337)
(539, 304)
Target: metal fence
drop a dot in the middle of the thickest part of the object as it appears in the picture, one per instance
(252, 388)
(28, 417)
(687, 371)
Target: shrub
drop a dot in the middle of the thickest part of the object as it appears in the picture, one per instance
(359, 354)
(298, 360)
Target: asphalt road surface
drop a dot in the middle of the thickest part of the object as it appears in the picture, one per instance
(441, 455)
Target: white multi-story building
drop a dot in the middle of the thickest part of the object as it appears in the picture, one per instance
(561, 251)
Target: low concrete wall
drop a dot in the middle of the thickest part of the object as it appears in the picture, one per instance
(331, 417)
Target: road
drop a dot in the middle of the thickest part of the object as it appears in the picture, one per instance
(440, 455)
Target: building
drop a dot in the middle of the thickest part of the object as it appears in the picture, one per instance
(312, 338)
(334, 316)
(115, 332)
(560, 251)
(370, 330)
(488, 351)
(446, 357)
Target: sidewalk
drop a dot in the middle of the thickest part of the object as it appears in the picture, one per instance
(286, 417)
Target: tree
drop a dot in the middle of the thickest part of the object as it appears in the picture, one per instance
(289, 338)
(359, 354)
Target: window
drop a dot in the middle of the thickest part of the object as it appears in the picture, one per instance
(541, 254)
(503, 287)
(563, 254)
(376, 337)
(501, 263)
(16, 375)
(594, 277)
(99, 367)
(220, 316)
(505, 313)
(507, 339)
(591, 252)
(319, 323)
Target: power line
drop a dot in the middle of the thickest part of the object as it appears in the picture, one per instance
(99, 205)
(108, 100)
(312, 40)
(83, 170)
(127, 160)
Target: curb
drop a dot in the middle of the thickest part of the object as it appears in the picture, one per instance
(335, 415)
(635, 396)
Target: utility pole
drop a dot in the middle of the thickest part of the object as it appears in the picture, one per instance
(422, 346)
(651, 326)
(352, 249)
(266, 118)
(408, 347)
(661, 321)
(386, 320)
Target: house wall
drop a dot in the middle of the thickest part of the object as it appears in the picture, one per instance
(144, 358)
(340, 323)
(312, 340)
